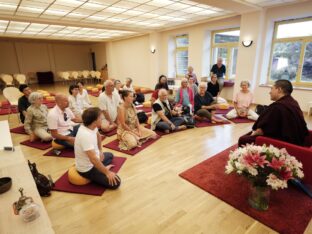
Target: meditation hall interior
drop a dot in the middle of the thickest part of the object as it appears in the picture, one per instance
(155, 116)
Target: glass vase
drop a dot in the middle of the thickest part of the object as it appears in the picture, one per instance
(259, 197)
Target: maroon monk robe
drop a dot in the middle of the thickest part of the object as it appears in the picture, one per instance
(282, 120)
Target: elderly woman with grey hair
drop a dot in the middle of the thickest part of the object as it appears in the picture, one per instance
(242, 103)
(36, 119)
(204, 105)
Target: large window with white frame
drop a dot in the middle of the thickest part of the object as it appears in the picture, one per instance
(225, 46)
(181, 55)
(291, 55)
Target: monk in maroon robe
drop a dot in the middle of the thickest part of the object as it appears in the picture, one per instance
(282, 120)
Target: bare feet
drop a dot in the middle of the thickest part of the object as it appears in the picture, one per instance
(182, 127)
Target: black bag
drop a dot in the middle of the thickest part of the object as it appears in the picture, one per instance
(142, 117)
(186, 110)
(44, 184)
(189, 121)
(140, 98)
(260, 109)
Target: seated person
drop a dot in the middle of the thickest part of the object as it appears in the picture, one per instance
(185, 95)
(219, 69)
(76, 104)
(108, 103)
(35, 123)
(23, 102)
(90, 161)
(162, 83)
(242, 102)
(128, 85)
(214, 90)
(163, 117)
(190, 74)
(282, 120)
(62, 122)
(129, 132)
(83, 93)
(204, 105)
(193, 86)
(118, 87)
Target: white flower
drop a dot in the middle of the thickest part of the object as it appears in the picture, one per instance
(239, 166)
(252, 171)
(300, 174)
(229, 168)
(275, 182)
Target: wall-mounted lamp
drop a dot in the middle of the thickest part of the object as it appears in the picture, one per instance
(153, 50)
(247, 43)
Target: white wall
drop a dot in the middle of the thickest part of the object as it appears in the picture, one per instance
(31, 56)
(130, 58)
(253, 62)
(100, 54)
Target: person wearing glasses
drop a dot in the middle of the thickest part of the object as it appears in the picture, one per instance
(62, 122)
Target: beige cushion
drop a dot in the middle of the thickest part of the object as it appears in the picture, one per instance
(75, 178)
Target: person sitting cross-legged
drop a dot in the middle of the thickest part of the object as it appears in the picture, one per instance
(242, 103)
(163, 117)
(90, 161)
(62, 122)
(204, 105)
(129, 132)
(108, 103)
(35, 123)
(282, 120)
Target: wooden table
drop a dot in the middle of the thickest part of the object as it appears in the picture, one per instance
(6, 139)
(14, 165)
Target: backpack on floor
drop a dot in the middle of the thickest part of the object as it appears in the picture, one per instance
(142, 117)
(43, 183)
(189, 121)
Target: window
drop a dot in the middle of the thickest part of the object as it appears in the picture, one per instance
(291, 55)
(225, 46)
(182, 43)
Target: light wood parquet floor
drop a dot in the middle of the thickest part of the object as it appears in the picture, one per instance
(152, 197)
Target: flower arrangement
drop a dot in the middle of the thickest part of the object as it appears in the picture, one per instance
(264, 166)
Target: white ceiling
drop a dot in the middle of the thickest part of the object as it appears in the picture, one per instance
(101, 20)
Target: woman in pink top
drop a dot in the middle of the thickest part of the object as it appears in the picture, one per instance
(242, 101)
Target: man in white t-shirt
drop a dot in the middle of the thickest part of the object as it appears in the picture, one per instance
(108, 103)
(62, 122)
(90, 161)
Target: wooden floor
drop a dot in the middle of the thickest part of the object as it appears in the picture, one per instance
(152, 197)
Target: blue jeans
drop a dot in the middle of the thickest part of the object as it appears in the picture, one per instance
(98, 177)
(72, 133)
(163, 126)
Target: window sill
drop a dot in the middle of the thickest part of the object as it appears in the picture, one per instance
(228, 83)
(295, 87)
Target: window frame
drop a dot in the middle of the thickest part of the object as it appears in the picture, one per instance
(303, 40)
(229, 46)
(184, 48)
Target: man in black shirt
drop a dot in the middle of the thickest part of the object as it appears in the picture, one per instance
(220, 70)
(163, 117)
(23, 102)
(204, 105)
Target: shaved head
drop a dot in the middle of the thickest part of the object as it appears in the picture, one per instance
(61, 101)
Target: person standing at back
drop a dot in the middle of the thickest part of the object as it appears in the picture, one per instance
(219, 69)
